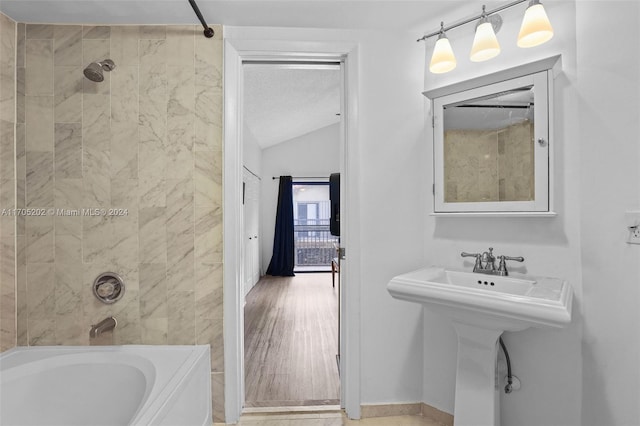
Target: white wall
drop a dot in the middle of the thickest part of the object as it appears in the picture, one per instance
(393, 177)
(608, 86)
(391, 138)
(547, 361)
(314, 154)
(251, 152)
(566, 379)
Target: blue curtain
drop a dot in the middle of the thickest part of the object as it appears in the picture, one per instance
(282, 261)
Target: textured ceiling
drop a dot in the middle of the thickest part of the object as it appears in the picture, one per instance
(283, 102)
(413, 15)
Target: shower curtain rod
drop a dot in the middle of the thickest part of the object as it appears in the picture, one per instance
(208, 31)
(303, 177)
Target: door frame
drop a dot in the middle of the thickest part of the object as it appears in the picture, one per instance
(235, 52)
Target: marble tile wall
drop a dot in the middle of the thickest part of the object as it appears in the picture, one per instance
(516, 163)
(146, 143)
(471, 166)
(489, 165)
(7, 183)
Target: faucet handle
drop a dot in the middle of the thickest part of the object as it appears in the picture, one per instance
(465, 254)
(502, 268)
(517, 259)
(478, 265)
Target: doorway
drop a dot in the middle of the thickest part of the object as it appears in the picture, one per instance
(291, 118)
(237, 51)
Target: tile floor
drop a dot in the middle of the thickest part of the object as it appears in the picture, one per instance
(330, 419)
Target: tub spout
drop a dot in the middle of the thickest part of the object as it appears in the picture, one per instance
(106, 324)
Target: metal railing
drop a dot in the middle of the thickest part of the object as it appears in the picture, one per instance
(314, 244)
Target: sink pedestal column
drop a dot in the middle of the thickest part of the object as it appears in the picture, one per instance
(477, 401)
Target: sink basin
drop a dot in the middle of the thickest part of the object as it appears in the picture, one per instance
(509, 303)
(506, 285)
(481, 307)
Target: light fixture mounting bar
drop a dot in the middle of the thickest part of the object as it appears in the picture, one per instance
(475, 18)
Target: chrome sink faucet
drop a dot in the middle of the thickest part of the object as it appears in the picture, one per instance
(489, 260)
(486, 262)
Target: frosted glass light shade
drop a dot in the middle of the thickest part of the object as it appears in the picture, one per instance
(536, 28)
(443, 60)
(485, 43)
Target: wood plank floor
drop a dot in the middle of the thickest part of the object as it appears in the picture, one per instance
(291, 342)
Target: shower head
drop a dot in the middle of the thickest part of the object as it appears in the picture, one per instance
(94, 71)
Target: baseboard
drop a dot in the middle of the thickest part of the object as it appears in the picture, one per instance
(388, 410)
(418, 408)
(442, 417)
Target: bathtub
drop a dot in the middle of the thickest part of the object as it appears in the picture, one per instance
(105, 385)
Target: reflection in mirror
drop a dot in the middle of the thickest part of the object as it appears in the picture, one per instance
(489, 148)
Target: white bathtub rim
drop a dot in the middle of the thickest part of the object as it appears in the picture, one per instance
(155, 400)
(38, 366)
(177, 382)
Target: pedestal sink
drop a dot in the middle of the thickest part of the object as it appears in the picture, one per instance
(480, 308)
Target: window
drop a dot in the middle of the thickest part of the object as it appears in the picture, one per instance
(314, 244)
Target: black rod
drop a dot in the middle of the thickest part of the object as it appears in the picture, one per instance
(208, 31)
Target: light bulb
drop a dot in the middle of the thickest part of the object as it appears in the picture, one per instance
(443, 60)
(536, 28)
(485, 44)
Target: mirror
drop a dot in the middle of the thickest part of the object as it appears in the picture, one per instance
(488, 148)
(491, 147)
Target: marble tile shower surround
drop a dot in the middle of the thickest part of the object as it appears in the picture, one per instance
(489, 165)
(148, 142)
(7, 183)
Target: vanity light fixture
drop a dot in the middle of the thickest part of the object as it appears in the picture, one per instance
(536, 28)
(534, 31)
(443, 60)
(485, 43)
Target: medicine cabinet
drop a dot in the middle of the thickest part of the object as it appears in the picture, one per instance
(493, 144)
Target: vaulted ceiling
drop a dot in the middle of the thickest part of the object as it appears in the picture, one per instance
(284, 102)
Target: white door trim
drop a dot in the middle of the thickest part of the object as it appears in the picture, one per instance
(235, 51)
